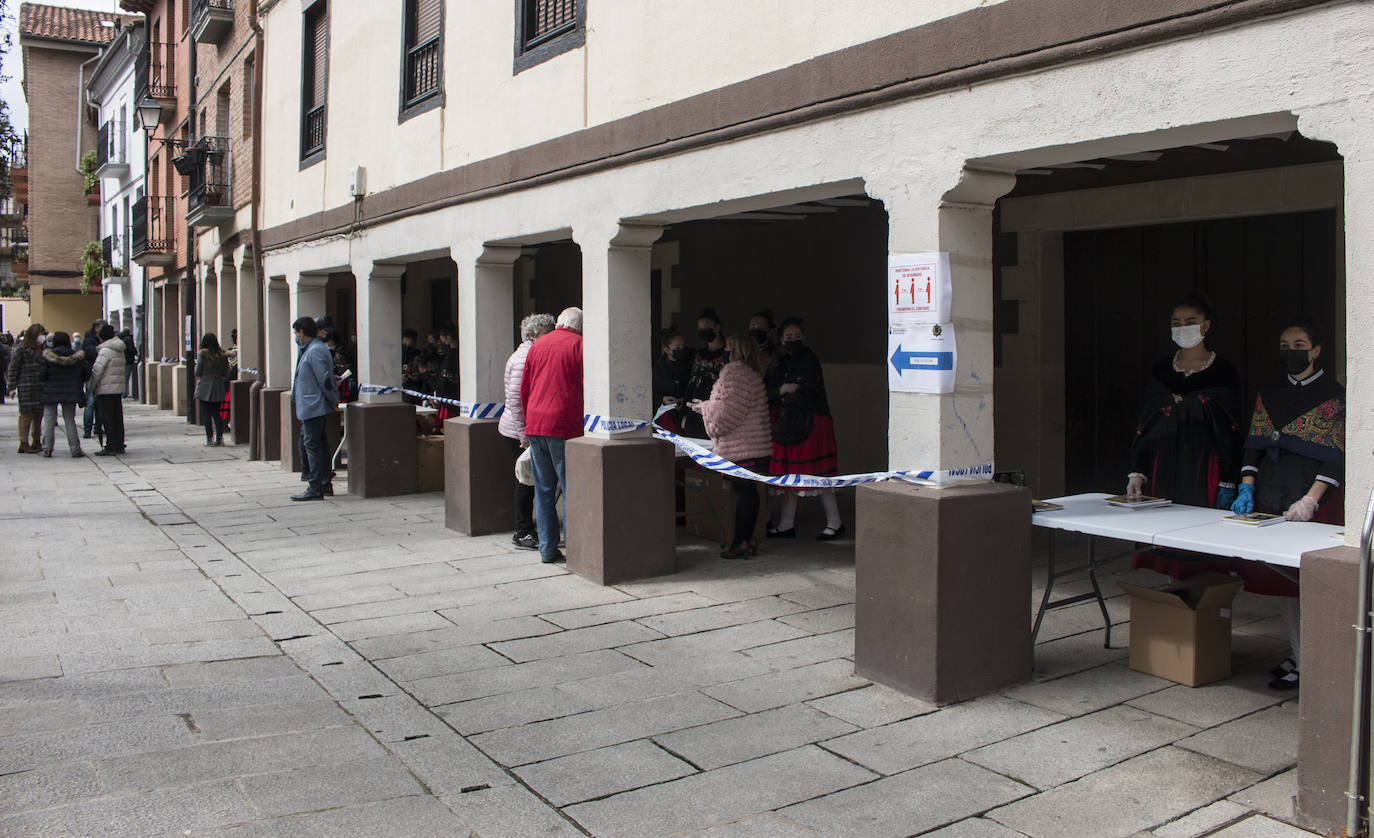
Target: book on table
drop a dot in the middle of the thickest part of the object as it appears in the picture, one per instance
(1137, 501)
(1253, 519)
(1044, 506)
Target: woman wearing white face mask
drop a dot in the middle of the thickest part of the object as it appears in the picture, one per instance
(1187, 445)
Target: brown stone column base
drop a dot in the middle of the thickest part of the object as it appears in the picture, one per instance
(240, 411)
(479, 478)
(1330, 580)
(290, 434)
(166, 374)
(942, 592)
(269, 422)
(620, 509)
(255, 423)
(152, 376)
(381, 450)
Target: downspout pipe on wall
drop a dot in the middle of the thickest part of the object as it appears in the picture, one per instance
(189, 278)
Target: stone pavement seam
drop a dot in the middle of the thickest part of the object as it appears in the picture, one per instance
(353, 675)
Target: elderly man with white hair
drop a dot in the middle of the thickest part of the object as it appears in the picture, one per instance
(551, 395)
(512, 425)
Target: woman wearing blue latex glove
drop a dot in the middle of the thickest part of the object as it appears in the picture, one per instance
(1187, 444)
(1294, 459)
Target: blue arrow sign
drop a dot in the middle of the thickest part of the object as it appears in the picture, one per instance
(921, 361)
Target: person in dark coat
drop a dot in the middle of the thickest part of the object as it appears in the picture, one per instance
(212, 379)
(90, 345)
(64, 373)
(130, 365)
(23, 371)
(6, 351)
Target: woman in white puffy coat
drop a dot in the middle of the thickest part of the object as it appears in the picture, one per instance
(512, 425)
(107, 382)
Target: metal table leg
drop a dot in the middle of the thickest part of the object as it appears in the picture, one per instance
(1046, 604)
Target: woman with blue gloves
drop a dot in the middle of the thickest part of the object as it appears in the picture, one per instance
(1187, 443)
(1294, 458)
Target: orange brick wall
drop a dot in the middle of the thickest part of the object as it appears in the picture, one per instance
(60, 219)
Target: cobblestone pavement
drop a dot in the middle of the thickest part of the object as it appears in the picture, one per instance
(185, 652)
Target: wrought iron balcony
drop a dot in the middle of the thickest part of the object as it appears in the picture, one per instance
(151, 231)
(109, 152)
(211, 20)
(210, 200)
(155, 77)
(422, 71)
(312, 138)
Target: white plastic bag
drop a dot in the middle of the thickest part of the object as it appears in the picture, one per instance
(524, 469)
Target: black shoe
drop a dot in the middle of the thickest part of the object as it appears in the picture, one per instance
(528, 541)
(830, 534)
(86, 435)
(774, 532)
(106, 452)
(329, 491)
(1286, 682)
(308, 495)
(1284, 668)
(209, 444)
(557, 557)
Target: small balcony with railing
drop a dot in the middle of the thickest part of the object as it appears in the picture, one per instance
(208, 166)
(422, 78)
(110, 160)
(151, 231)
(211, 20)
(155, 78)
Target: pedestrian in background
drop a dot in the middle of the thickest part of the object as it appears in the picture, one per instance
(63, 372)
(23, 374)
(314, 396)
(551, 394)
(736, 417)
(107, 382)
(90, 344)
(130, 365)
(212, 379)
(512, 425)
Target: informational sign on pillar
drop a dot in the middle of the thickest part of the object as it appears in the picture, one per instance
(920, 338)
(920, 358)
(190, 339)
(918, 288)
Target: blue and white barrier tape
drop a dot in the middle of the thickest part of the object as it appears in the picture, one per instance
(248, 371)
(378, 389)
(478, 410)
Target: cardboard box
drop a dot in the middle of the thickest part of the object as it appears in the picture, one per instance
(429, 463)
(1183, 632)
(706, 490)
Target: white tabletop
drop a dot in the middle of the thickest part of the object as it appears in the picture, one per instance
(1189, 528)
(1090, 513)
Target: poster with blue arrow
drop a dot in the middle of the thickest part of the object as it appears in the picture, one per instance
(920, 358)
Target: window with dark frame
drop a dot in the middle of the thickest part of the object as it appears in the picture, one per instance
(422, 71)
(314, 80)
(546, 28)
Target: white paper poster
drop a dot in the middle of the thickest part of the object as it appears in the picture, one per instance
(920, 359)
(918, 288)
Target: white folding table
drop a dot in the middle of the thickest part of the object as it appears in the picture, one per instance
(1194, 528)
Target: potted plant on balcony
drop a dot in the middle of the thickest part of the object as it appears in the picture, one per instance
(92, 182)
(94, 268)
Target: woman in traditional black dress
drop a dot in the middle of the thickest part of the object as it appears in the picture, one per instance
(1187, 444)
(1294, 459)
(803, 432)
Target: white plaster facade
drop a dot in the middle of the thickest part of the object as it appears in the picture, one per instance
(938, 163)
(111, 91)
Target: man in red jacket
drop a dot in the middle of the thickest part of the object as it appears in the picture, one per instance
(551, 391)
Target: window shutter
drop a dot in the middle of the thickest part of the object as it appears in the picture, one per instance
(425, 24)
(320, 70)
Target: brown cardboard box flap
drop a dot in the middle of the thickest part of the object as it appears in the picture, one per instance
(1206, 590)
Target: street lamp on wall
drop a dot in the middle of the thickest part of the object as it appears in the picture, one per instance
(149, 114)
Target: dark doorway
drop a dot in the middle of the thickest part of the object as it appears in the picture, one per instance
(1120, 286)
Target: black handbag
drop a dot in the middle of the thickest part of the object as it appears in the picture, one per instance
(794, 422)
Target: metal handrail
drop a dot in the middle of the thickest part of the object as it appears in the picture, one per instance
(1361, 720)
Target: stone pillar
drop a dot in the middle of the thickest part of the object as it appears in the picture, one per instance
(479, 473)
(620, 490)
(307, 300)
(208, 303)
(276, 365)
(912, 628)
(227, 306)
(248, 315)
(1329, 577)
(381, 427)
(152, 347)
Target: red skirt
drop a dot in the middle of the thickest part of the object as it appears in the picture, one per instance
(816, 455)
